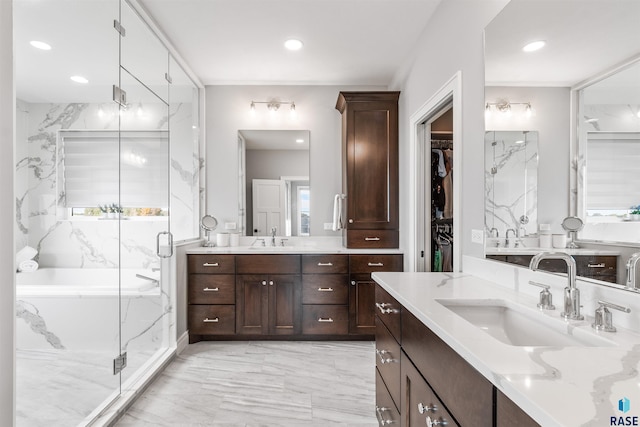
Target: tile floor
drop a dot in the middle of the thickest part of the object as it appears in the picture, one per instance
(262, 383)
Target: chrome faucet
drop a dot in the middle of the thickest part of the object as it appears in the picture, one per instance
(631, 271)
(506, 236)
(571, 292)
(273, 235)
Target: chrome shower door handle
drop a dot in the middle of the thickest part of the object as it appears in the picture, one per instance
(169, 244)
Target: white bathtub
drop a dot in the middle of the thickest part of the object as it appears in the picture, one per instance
(87, 308)
(86, 282)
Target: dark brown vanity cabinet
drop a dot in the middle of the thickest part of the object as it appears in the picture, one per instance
(268, 295)
(370, 168)
(427, 382)
(362, 290)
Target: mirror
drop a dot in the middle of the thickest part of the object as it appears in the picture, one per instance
(552, 79)
(608, 153)
(511, 184)
(208, 224)
(274, 186)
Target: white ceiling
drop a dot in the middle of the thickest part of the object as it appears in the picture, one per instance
(584, 38)
(241, 41)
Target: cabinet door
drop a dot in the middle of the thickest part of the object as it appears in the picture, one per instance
(252, 315)
(420, 405)
(362, 305)
(285, 303)
(372, 165)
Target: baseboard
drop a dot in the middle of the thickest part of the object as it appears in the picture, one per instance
(182, 342)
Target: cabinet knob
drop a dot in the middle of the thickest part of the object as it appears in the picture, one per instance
(270, 282)
(353, 283)
(426, 408)
(350, 221)
(264, 283)
(436, 422)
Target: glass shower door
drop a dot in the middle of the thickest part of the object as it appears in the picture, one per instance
(145, 242)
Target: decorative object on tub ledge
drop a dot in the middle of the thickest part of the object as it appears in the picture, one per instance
(208, 223)
(28, 266)
(111, 211)
(25, 259)
(635, 213)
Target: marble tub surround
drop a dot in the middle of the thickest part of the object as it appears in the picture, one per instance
(590, 380)
(258, 383)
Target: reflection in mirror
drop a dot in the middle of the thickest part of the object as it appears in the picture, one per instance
(274, 189)
(511, 185)
(608, 157)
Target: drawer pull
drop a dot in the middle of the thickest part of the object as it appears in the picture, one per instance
(422, 408)
(353, 283)
(325, 289)
(210, 264)
(371, 239)
(438, 422)
(376, 264)
(381, 420)
(325, 264)
(211, 289)
(381, 306)
(207, 320)
(325, 320)
(383, 358)
(601, 265)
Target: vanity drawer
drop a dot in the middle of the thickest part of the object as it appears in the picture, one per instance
(325, 320)
(212, 289)
(321, 264)
(212, 319)
(373, 262)
(373, 239)
(268, 264)
(465, 393)
(212, 264)
(420, 403)
(388, 311)
(325, 289)
(388, 360)
(386, 410)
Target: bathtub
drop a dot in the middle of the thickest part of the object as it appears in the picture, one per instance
(87, 309)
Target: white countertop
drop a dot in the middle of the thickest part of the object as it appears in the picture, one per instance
(556, 386)
(322, 249)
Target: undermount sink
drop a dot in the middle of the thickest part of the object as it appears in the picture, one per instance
(517, 326)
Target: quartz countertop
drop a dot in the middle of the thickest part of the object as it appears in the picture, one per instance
(329, 249)
(556, 386)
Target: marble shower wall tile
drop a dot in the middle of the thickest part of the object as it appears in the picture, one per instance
(63, 243)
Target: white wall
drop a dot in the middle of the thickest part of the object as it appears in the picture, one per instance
(551, 119)
(228, 111)
(7, 217)
(452, 41)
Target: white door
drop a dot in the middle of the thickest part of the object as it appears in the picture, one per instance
(268, 206)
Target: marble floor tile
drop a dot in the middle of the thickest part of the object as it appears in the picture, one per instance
(262, 383)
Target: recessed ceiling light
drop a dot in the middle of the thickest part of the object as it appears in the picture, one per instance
(533, 46)
(79, 79)
(293, 44)
(40, 45)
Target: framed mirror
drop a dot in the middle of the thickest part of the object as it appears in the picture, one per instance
(274, 185)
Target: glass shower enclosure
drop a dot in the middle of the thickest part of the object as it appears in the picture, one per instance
(95, 189)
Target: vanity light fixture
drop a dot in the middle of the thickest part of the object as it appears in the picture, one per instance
(273, 106)
(504, 107)
(40, 45)
(533, 46)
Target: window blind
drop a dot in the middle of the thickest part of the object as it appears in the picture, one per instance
(612, 175)
(129, 168)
